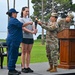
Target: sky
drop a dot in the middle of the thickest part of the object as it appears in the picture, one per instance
(73, 1)
(3, 10)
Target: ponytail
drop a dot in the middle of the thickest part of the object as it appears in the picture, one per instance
(23, 8)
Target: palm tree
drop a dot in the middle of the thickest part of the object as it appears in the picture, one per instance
(8, 4)
(28, 3)
(8, 7)
(28, 6)
(14, 4)
(42, 37)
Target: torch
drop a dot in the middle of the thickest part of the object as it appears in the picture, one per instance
(36, 21)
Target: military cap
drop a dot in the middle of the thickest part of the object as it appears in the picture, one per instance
(54, 14)
(70, 15)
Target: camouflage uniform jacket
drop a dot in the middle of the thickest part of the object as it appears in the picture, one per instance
(52, 42)
(51, 34)
(63, 24)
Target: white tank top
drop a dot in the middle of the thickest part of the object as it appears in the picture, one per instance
(27, 34)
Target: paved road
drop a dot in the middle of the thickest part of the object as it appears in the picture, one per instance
(40, 69)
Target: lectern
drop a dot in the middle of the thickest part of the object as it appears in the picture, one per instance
(67, 48)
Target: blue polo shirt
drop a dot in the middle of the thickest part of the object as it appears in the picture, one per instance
(14, 30)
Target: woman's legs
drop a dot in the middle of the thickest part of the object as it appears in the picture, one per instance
(28, 51)
(24, 48)
(25, 56)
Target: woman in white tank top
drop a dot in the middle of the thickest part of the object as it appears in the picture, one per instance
(27, 41)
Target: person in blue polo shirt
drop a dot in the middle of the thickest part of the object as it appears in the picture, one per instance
(14, 39)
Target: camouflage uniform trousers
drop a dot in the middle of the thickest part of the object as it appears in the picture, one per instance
(52, 53)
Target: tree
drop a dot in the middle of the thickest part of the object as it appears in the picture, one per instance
(65, 5)
(38, 8)
(59, 6)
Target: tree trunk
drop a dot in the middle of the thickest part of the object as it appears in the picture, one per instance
(8, 7)
(14, 4)
(28, 6)
(8, 4)
(42, 37)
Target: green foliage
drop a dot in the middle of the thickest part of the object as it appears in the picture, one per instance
(64, 4)
(38, 9)
(73, 7)
(33, 1)
(59, 5)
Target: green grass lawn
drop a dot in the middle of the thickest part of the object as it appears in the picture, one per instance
(38, 53)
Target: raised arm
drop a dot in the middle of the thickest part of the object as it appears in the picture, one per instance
(28, 23)
(47, 26)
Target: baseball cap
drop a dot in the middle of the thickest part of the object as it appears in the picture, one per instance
(12, 10)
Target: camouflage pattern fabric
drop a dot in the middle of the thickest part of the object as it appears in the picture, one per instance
(52, 42)
(63, 24)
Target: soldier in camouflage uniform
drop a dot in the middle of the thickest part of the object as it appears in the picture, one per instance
(65, 22)
(51, 42)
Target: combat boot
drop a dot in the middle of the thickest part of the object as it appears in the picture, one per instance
(51, 67)
(54, 69)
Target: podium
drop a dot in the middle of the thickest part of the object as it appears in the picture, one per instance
(67, 48)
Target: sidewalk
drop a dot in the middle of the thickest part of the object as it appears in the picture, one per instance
(40, 69)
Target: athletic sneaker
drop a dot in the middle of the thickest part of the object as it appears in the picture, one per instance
(30, 70)
(14, 72)
(25, 70)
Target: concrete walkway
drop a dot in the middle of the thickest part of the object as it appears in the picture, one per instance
(40, 69)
